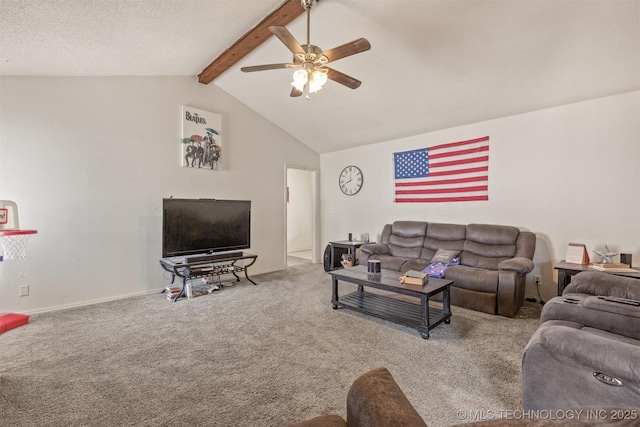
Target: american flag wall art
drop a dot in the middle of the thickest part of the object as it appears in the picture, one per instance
(451, 172)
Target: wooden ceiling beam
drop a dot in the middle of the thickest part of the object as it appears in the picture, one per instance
(287, 12)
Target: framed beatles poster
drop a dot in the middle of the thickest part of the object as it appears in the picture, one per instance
(201, 139)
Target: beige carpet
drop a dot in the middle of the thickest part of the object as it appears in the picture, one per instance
(248, 356)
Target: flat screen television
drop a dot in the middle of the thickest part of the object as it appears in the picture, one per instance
(201, 226)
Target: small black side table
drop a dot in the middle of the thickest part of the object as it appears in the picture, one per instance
(349, 245)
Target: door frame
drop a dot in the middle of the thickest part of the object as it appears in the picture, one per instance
(315, 211)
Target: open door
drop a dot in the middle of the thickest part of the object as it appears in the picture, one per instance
(301, 217)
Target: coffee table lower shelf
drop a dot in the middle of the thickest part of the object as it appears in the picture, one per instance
(395, 310)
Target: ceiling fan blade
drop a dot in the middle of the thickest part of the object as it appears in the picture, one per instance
(347, 49)
(285, 37)
(343, 79)
(266, 67)
(295, 92)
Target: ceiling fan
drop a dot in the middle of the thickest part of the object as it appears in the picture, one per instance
(311, 62)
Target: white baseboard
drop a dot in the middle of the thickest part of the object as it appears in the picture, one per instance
(96, 301)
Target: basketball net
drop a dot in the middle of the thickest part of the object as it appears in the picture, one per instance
(14, 246)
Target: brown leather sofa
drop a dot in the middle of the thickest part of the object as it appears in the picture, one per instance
(376, 400)
(494, 260)
(587, 349)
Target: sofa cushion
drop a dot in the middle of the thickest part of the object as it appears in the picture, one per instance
(443, 236)
(409, 228)
(418, 264)
(487, 245)
(476, 279)
(407, 238)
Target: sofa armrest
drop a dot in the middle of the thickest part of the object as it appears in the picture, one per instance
(376, 400)
(374, 249)
(520, 265)
(511, 284)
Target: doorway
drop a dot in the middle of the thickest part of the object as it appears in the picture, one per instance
(300, 216)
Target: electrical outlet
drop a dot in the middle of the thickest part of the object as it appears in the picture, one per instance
(537, 280)
(24, 290)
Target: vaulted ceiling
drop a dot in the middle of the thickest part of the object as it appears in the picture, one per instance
(434, 64)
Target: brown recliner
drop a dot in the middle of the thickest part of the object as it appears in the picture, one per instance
(376, 400)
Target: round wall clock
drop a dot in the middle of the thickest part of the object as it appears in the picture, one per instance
(351, 179)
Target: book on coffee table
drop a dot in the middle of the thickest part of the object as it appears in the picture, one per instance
(413, 277)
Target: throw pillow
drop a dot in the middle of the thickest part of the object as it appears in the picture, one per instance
(444, 256)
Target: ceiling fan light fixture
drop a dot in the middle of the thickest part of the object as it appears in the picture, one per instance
(300, 78)
(317, 80)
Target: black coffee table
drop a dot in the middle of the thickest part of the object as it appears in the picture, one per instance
(418, 316)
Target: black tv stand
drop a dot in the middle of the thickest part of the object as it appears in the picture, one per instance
(208, 265)
(214, 257)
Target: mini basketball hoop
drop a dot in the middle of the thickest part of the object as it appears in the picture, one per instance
(13, 240)
(14, 243)
(14, 246)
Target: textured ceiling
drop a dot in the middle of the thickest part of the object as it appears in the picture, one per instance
(433, 64)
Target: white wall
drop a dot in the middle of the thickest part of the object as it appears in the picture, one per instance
(569, 174)
(88, 160)
(299, 210)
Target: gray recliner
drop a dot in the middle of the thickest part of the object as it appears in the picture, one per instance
(586, 351)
